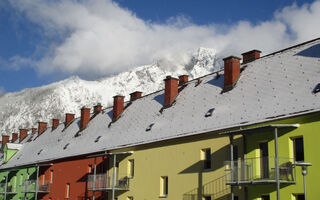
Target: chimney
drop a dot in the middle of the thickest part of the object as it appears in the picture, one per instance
(85, 117)
(42, 126)
(231, 71)
(118, 105)
(250, 56)
(183, 79)
(55, 123)
(23, 134)
(97, 108)
(135, 95)
(33, 130)
(171, 90)
(5, 140)
(14, 137)
(69, 118)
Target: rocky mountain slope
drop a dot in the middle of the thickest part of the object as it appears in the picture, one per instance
(25, 108)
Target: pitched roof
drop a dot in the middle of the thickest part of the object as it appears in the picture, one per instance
(273, 87)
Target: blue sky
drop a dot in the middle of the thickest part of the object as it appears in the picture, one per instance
(46, 41)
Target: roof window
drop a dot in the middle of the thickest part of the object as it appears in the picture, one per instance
(149, 127)
(209, 113)
(316, 89)
(97, 139)
(65, 147)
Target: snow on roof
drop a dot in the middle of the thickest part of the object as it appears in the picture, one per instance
(273, 87)
(14, 146)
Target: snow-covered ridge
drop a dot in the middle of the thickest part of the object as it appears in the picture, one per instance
(25, 108)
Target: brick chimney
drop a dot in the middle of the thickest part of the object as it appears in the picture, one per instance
(97, 108)
(183, 79)
(55, 123)
(118, 105)
(170, 91)
(69, 118)
(135, 95)
(23, 134)
(14, 137)
(42, 126)
(5, 140)
(250, 56)
(33, 130)
(85, 117)
(231, 71)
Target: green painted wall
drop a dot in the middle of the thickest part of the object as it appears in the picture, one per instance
(8, 153)
(309, 129)
(16, 179)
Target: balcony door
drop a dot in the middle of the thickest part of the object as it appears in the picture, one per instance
(264, 160)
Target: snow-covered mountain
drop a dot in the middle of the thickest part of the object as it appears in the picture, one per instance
(25, 108)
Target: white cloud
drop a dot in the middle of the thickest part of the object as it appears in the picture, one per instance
(99, 38)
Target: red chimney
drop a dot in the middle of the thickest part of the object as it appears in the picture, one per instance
(14, 137)
(135, 95)
(231, 71)
(118, 105)
(23, 134)
(33, 130)
(42, 126)
(85, 117)
(183, 79)
(171, 90)
(69, 118)
(55, 123)
(250, 56)
(97, 108)
(5, 140)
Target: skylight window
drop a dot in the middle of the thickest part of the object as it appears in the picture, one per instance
(149, 127)
(97, 139)
(66, 146)
(316, 89)
(209, 113)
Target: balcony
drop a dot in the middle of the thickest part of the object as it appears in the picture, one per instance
(100, 182)
(29, 186)
(259, 170)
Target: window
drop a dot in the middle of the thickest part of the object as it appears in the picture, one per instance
(299, 197)
(67, 190)
(298, 149)
(206, 158)
(164, 186)
(265, 197)
(207, 198)
(21, 179)
(130, 168)
(51, 176)
(89, 169)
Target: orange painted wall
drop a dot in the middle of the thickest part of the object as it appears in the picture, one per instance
(73, 171)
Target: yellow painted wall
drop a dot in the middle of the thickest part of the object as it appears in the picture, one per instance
(180, 160)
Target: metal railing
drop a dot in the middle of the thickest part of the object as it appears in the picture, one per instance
(105, 182)
(216, 189)
(259, 170)
(29, 186)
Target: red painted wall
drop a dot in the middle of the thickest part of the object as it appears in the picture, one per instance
(71, 171)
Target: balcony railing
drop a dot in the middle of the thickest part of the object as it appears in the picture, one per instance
(259, 171)
(105, 182)
(29, 186)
